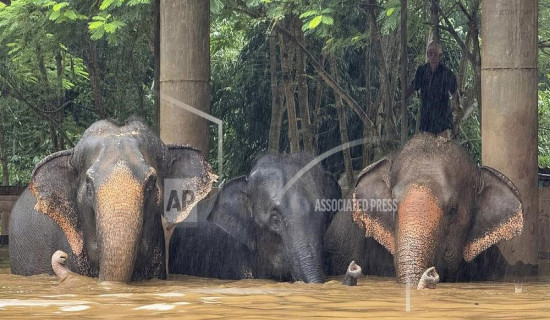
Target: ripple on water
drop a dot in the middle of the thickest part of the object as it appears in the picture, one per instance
(74, 308)
(39, 303)
(157, 306)
(170, 294)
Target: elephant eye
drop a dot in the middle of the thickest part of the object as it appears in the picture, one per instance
(151, 183)
(275, 219)
(89, 186)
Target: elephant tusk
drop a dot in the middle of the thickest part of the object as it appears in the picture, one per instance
(354, 271)
(429, 279)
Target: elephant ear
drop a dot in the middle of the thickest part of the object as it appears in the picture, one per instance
(53, 185)
(232, 213)
(187, 174)
(498, 213)
(373, 185)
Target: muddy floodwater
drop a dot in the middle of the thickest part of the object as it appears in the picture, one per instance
(199, 298)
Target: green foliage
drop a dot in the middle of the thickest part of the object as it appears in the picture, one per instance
(34, 35)
(544, 128)
(46, 99)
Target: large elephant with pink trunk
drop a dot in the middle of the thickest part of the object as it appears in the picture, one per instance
(102, 202)
(446, 209)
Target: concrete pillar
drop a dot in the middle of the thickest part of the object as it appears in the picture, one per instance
(184, 71)
(509, 116)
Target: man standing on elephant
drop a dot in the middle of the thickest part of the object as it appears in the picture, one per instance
(435, 82)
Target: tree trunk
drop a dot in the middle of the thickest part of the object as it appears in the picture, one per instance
(477, 57)
(4, 154)
(95, 81)
(434, 10)
(368, 130)
(303, 99)
(344, 139)
(58, 116)
(286, 59)
(404, 69)
(276, 109)
(317, 104)
(384, 75)
(185, 72)
(395, 62)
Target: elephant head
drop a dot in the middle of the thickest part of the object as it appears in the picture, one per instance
(278, 220)
(106, 195)
(446, 208)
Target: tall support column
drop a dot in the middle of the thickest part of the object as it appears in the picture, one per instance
(509, 116)
(184, 71)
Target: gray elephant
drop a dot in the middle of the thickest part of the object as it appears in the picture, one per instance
(264, 225)
(102, 202)
(429, 205)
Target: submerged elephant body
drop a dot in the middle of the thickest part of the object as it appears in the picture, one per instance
(448, 209)
(264, 225)
(101, 202)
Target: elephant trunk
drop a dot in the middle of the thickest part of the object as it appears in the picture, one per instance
(418, 232)
(308, 264)
(119, 224)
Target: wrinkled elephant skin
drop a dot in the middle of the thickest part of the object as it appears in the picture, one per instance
(102, 203)
(256, 230)
(448, 209)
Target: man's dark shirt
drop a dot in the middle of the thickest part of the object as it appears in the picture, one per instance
(436, 114)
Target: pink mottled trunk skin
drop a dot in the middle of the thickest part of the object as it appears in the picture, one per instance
(58, 265)
(120, 223)
(418, 231)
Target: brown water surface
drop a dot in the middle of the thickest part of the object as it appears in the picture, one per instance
(199, 298)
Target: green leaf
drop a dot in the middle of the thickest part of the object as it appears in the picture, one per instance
(98, 34)
(132, 3)
(390, 11)
(95, 25)
(308, 14)
(59, 6)
(110, 28)
(71, 15)
(105, 4)
(327, 10)
(315, 22)
(99, 18)
(55, 15)
(328, 20)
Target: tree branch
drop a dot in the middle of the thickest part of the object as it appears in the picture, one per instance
(327, 78)
(449, 28)
(240, 6)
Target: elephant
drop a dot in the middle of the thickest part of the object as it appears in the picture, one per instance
(263, 225)
(102, 203)
(442, 210)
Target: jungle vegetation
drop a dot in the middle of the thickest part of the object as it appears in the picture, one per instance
(286, 75)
